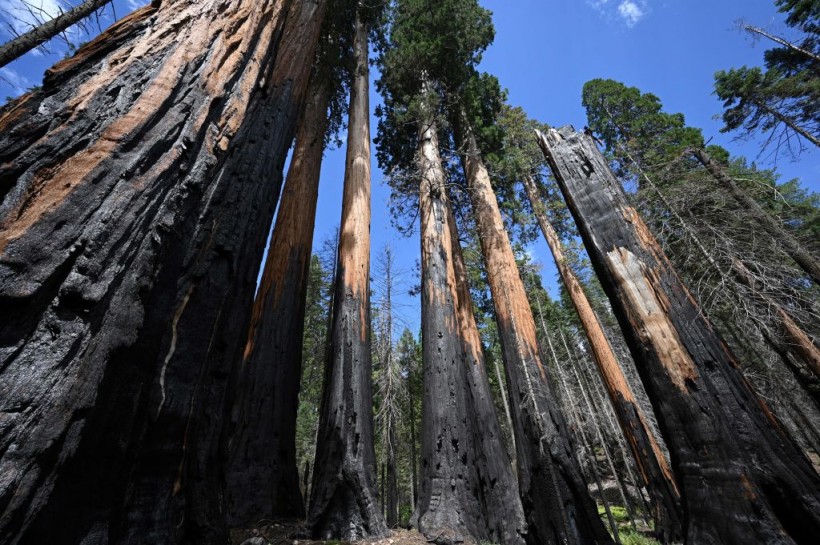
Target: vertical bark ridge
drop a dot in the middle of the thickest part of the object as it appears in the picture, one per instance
(655, 472)
(553, 491)
(742, 479)
(129, 289)
(344, 502)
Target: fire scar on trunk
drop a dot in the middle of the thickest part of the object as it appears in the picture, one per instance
(652, 322)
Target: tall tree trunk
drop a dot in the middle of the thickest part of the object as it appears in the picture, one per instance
(655, 472)
(555, 497)
(505, 499)
(262, 480)
(742, 479)
(790, 245)
(390, 399)
(462, 487)
(344, 502)
(136, 199)
(22, 44)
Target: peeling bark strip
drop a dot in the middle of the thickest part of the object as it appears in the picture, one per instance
(655, 472)
(791, 246)
(343, 501)
(556, 500)
(262, 480)
(137, 189)
(742, 480)
(466, 490)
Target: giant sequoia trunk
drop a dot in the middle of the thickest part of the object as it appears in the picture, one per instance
(262, 480)
(343, 498)
(655, 472)
(466, 491)
(790, 245)
(742, 479)
(503, 512)
(137, 188)
(554, 493)
(39, 35)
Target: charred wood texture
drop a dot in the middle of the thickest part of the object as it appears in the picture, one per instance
(39, 35)
(554, 494)
(344, 502)
(465, 476)
(742, 479)
(262, 480)
(137, 190)
(654, 470)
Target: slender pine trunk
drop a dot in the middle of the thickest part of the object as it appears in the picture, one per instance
(742, 478)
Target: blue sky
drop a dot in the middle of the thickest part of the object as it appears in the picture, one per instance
(544, 51)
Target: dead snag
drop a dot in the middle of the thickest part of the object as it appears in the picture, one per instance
(742, 479)
(652, 465)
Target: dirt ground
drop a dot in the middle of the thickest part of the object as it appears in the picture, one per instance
(290, 532)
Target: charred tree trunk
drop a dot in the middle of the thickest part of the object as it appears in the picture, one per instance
(504, 498)
(22, 44)
(790, 245)
(137, 190)
(262, 480)
(344, 501)
(655, 472)
(742, 479)
(555, 497)
(462, 490)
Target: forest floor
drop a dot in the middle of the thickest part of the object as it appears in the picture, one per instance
(286, 532)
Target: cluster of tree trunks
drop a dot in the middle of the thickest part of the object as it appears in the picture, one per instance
(553, 491)
(652, 465)
(138, 185)
(261, 474)
(467, 489)
(742, 479)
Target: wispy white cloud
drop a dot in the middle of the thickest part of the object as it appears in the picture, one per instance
(629, 12)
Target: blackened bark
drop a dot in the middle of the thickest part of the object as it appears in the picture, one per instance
(790, 245)
(344, 497)
(553, 491)
(137, 188)
(262, 480)
(742, 479)
(22, 44)
(504, 516)
(655, 472)
(459, 481)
